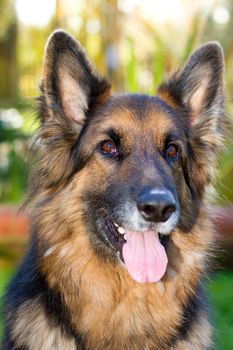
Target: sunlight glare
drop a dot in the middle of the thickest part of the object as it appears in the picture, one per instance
(163, 11)
(35, 13)
(221, 15)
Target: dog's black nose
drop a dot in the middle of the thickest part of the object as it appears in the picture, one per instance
(156, 205)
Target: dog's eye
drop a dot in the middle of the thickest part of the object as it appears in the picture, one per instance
(171, 151)
(108, 147)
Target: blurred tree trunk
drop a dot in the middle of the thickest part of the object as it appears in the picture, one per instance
(59, 16)
(111, 35)
(8, 58)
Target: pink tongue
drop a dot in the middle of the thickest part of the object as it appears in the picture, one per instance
(144, 256)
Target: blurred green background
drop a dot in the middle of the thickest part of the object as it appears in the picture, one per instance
(135, 44)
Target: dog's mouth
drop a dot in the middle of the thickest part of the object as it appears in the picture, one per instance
(142, 252)
(116, 235)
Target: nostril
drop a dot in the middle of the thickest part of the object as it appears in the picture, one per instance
(147, 210)
(167, 212)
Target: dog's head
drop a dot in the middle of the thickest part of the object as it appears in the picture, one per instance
(136, 166)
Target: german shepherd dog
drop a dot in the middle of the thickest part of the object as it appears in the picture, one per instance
(121, 235)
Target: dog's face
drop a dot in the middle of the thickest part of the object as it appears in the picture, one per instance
(138, 165)
(133, 177)
(136, 149)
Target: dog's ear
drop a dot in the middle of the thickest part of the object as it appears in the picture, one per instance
(197, 93)
(71, 86)
(71, 91)
(198, 86)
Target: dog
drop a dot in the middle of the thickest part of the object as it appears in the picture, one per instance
(121, 234)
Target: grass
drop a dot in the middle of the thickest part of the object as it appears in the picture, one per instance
(5, 275)
(221, 296)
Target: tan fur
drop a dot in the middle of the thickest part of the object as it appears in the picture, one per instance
(31, 327)
(199, 338)
(166, 96)
(114, 307)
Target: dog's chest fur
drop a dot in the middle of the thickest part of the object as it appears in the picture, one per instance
(135, 318)
(111, 311)
(130, 318)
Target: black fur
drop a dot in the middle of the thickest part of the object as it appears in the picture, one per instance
(196, 304)
(28, 284)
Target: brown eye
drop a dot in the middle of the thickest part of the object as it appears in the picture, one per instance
(171, 151)
(108, 147)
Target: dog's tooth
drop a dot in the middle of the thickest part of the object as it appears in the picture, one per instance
(115, 224)
(160, 286)
(125, 236)
(121, 230)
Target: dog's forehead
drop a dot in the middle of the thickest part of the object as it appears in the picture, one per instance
(138, 114)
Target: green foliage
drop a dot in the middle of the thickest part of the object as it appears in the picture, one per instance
(225, 175)
(13, 160)
(7, 15)
(131, 69)
(5, 275)
(221, 295)
(224, 184)
(160, 60)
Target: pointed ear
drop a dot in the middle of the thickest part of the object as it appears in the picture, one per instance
(71, 86)
(197, 93)
(198, 86)
(71, 91)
